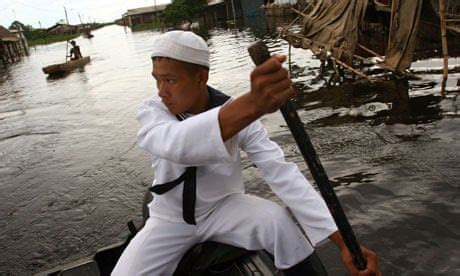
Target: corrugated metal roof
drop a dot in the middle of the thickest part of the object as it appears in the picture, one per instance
(158, 8)
(59, 25)
(143, 10)
(214, 2)
(6, 35)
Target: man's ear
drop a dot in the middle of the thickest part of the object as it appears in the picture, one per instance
(203, 76)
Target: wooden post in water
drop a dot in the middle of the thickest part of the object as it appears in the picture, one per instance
(233, 12)
(442, 16)
(3, 53)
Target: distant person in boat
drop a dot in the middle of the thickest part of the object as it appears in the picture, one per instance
(194, 134)
(75, 51)
(186, 25)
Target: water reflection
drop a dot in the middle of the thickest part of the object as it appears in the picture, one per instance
(376, 103)
(72, 175)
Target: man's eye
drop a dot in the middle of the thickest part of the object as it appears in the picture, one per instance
(170, 81)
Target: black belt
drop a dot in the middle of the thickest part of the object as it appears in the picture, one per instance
(188, 193)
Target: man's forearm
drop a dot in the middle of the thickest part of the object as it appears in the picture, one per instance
(237, 115)
(336, 237)
(270, 88)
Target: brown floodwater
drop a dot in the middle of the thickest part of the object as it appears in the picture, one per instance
(72, 174)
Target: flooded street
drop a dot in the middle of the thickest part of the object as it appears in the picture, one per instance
(72, 174)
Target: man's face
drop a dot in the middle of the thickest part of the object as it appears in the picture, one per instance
(179, 89)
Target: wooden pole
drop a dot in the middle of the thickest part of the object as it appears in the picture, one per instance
(10, 52)
(259, 54)
(66, 17)
(2, 53)
(234, 14)
(81, 22)
(350, 68)
(371, 52)
(67, 42)
(386, 67)
(442, 17)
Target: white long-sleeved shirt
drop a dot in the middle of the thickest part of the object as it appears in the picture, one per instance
(196, 141)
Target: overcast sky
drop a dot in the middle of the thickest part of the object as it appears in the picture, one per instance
(48, 12)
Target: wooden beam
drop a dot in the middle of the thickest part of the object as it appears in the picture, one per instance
(371, 52)
(350, 68)
(442, 16)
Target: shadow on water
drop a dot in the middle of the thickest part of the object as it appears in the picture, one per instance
(57, 76)
(63, 74)
(355, 178)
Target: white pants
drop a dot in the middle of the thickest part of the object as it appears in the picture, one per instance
(240, 220)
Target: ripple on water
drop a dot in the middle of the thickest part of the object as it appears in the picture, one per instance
(72, 175)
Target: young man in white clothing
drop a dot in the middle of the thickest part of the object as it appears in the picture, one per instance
(194, 135)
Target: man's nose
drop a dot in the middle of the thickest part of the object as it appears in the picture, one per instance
(162, 90)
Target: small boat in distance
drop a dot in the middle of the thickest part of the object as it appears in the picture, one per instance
(62, 68)
(87, 33)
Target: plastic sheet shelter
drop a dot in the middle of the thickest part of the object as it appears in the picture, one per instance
(405, 19)
(333, 26)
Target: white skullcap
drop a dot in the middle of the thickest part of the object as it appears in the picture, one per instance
(183, 46)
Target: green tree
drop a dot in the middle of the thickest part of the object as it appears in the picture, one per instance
(19, 25)
(180, 10)
(28, 30)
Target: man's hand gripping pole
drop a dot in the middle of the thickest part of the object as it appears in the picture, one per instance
(259, 54)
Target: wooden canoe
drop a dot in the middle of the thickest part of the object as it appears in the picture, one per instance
(66, 67)
(102, 263)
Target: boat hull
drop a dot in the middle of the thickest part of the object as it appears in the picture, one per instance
(103, 262)
(66, 67)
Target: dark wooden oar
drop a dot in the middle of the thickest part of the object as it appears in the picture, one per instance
(259, 54)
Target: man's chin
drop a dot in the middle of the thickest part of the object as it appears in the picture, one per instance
(171, 109)
(174, 111)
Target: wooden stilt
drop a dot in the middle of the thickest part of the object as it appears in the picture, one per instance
(10, 53)
(442, 16)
